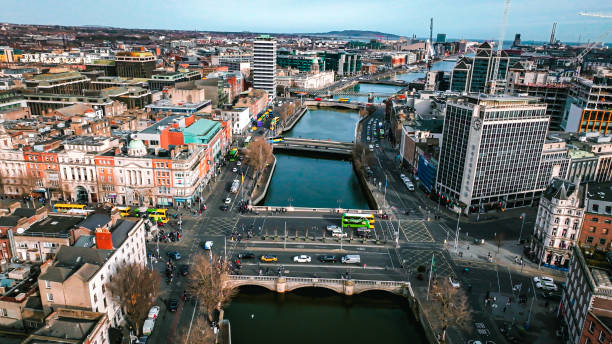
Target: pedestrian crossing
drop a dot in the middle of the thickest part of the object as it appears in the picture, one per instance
(416, 230)
(219, 225)
(412, 259)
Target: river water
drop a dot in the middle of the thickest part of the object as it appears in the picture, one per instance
(311, 315)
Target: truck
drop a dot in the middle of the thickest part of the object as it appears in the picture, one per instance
(235, 186)
(351, 259)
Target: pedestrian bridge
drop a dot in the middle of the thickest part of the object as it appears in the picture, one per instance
(342, 286)
(318, 146)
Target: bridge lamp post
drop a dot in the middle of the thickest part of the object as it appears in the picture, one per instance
(339, 203)
(290, 199)
(457, 233)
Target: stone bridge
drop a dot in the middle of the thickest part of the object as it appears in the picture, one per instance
(318, 146)
(342, 286)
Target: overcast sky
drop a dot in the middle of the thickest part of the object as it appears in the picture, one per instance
(472, 19)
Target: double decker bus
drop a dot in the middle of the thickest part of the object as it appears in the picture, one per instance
(233, 154)
(158, 215)
(344, 100)
(124, 211)
(67, 207)
(351, 220)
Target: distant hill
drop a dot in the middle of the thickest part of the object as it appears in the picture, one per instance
(357, 34)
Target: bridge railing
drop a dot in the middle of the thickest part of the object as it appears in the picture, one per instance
(336, 211)
(329, 281)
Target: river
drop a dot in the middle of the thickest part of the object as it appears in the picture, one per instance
(446, 66)
(314, 315)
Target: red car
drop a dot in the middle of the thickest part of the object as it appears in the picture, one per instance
(318, 99)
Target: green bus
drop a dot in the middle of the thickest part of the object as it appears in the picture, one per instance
(233, 154)
(351, 220)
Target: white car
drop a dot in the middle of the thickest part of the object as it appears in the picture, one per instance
(537, 279)
(148, 326)
(238, 163)
(208, 245)
(228, 200)
(153, 312)
(454, 284)
(302, 259)
(339, 234)
(546, 285)
(234, 170)
(333, 228)
(402, 176)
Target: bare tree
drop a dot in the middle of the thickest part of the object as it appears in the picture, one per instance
(258, 155)
(201, 333)
(136, 288)
(451, 308)
(209, 283)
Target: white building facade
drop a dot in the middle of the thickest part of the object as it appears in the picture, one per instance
(264, 65)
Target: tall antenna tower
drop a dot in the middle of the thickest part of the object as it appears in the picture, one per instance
(552, 34)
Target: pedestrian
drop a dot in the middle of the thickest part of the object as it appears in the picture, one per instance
(504, 310)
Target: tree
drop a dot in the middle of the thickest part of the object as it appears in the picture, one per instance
(200, 333)
(452, 308)
(209, 283)
(135, 288)
(258, 155)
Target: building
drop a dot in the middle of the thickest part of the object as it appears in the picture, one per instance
(240, 118)
(524, 79)
(135, 64)
(589, 105)
(71, 326)
(166, 105)
(341, 62)
(19, 302)
(159, 81)
(473, 74)
(313, 81)
(491, 152)
(596, 230)
(76, 278)
(59, 83)
(558, 223)
(264, 65)
(303, 63)
(586, 304)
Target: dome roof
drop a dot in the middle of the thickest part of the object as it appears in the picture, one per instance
(136, 144)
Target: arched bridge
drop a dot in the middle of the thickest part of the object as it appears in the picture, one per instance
(341, 286)
(319, 146)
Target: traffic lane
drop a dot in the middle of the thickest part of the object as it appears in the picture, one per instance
(275, 225)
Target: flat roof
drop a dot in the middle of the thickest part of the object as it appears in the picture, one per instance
(204, 129)
(53, 225)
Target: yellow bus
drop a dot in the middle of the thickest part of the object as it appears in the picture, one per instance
(158, 215)
(124, 211)
(66, 207)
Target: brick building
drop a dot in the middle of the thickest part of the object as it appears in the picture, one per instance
(597, 224)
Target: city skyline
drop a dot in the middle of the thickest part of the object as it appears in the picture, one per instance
(533, 21)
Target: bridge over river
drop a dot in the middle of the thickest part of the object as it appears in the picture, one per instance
(284, 284)
(318, 146)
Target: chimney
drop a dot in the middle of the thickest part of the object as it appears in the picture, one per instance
(104, 239)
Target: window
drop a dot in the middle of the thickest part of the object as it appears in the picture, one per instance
(49, 297)
(592, 229)
(602, 336)
(95, 297)
(3, 312)
(589, 240)
(608, 209)
(48, 284)
(591, 326)
(595, 219)
(604, 231)
(595, 207)
(602, 241)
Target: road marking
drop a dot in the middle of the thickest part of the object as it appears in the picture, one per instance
(498, 284)
(305, 265)
(390, 259)
(511, 285)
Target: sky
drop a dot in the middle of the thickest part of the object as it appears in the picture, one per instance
(470, 19)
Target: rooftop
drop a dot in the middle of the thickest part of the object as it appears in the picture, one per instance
(53, 226)
(67, 326)
(201, 131)
(600, 191)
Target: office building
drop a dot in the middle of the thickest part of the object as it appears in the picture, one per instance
(341, 62)
(135, 64)
(59, 83)
(492, 152)
(586, 307)
(159, 81)
(473, 74)
(589, 104)
(441, 38)
(558, 223)
(264, 65)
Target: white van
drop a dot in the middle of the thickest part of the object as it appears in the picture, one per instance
(148, 326)
(351, 259)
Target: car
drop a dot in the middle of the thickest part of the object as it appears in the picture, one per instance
(537, 279)
(238, 163)
(302, 259)
(234, 170)
(207, 245)
(148, 326)
(368, 139)
(332, 228)
(246, 255)
(454, 284)
(339, 234)
(551, 296)
(153, 312)
(227, 201)
(377, 145)
(174, 255)
(184, 269)
(546, 285)
(224, 207)
(328, 259)
(402, 176)
(268, 258)
(371, 147)
(172, 305)
(142, 340)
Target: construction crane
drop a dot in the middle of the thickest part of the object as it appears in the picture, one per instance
(578, 59)
(494, 80)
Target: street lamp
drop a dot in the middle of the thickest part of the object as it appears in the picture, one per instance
(339, 203)
(522, 224)
(289, 200)
(457, 233)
